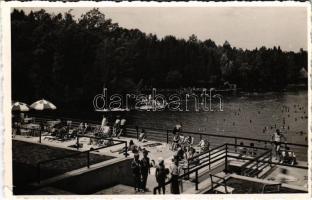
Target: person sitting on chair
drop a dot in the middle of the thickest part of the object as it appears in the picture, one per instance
(288, 157)
(116, 127)
(106, 131)
(80, 128)
(86, 129)
(192, 153)
(204, 145)
(122, 128)
(176, 139)
(104, 121)
(252, 151)
(142, 137)
(188, 141)
(242, 150)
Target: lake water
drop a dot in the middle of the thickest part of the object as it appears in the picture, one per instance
(245, 116)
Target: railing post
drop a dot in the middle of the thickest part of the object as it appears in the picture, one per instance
(235, 144)
(188, 169)
(77, 142)
(88, 159)
(137, 131)
(209, 160)
(38, 172)
(40, 132)
(126, 152)
(167, 136)
(226, 149)
(196, 180)
(200, 137)
(257, 167)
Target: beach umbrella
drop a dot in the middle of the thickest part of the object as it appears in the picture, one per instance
(43, 105)
(20, 106)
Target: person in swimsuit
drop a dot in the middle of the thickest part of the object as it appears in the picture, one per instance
(277, 140)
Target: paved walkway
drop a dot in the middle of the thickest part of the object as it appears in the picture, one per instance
(156, 149)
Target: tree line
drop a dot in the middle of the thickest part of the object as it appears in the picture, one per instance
(70, 60)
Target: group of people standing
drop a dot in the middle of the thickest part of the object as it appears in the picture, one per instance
(184, 150)
(140, 169)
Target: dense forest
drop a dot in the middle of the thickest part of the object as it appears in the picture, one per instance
(69, 60)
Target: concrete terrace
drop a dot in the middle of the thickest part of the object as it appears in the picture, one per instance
(156, 149)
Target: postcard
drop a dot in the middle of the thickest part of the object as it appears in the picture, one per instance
(123, 100)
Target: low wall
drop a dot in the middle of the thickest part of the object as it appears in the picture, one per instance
(93, 180)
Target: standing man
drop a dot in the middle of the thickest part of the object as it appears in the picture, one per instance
(145, 169)
(136, 170)
(177, 129)
(104, 122)
(161, 175)
(176, 135)
(277, 139)
(175, 172)
(122, 129)
(116, 128)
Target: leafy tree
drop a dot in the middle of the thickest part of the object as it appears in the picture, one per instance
(70, 61)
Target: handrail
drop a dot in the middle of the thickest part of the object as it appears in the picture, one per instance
(217, 176)
(225, 156)
(213, 155)
(210, 150)
(189, 172)
(203, 153)
(79, 153)
(64, 118)
(103, 138)
(242, 138)
(257, 163)
(210, 156)
(167, 131)
(250, 147)
(256, 158)
(195, 170)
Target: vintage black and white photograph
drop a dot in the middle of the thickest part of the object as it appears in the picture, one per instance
(159, 100)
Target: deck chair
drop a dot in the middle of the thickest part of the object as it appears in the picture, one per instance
(219, 186)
